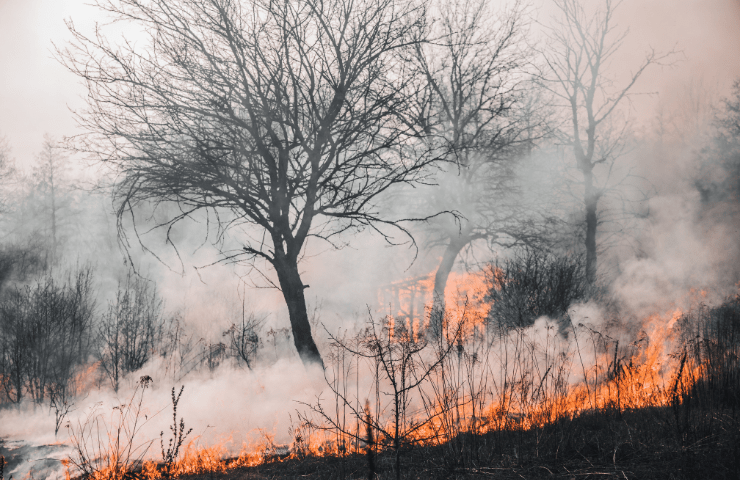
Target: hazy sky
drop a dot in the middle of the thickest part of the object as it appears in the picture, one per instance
(35, 90)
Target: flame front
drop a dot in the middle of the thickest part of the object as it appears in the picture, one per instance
(479, 380)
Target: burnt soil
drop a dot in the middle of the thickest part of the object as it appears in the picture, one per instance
(651, 443)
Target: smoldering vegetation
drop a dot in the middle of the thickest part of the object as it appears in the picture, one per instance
(568, 305)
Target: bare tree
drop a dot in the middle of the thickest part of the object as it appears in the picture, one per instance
(51, 185)
(7, 170)
(473, 109)
(280, 117)
(580, 50)
(718, 176)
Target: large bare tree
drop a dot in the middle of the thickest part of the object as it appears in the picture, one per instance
(283, 116)
(579, 72)
(472, 110)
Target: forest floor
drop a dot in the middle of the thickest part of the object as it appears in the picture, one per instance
(644, 444)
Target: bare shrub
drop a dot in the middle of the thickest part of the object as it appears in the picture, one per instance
(178, 348)
(278, 339)
(400, 361)
(131, 330)
(244, 339)
(212, 354)
(60, 402)
(46, 336)
(111, 450)
(532, 284)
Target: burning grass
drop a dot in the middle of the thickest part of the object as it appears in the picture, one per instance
(497, 388)
(541, 401)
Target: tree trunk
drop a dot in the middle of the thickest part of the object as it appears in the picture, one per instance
(292, 287)
(591, 200)
(440, 282)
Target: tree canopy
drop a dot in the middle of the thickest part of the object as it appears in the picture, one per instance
(287, 117)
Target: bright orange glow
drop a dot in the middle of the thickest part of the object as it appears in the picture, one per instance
(534, 376)
(411, 299)
(86, 378)
(651, 377)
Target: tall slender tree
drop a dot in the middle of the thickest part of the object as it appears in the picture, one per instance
(50, 183)
(7, 171)
(579, 73)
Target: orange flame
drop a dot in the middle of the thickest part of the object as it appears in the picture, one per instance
(551, 382)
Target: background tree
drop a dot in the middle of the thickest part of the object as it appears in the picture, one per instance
(4, 150)
(132, 329)
(279, 117)
(40, 219)
(580, 49)
(473, 110)
(52, 190)
(7, 171)
(718, 178)
(15, 259)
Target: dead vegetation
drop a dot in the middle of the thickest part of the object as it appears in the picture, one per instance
(509, 402)
(686, 427)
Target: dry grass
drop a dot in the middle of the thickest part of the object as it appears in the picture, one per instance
(633, 444)
(523, 402)
(687, 427)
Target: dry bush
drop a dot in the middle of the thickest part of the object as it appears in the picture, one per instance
(46, 338)
(532, 284)
(110, 450)
(131, 330)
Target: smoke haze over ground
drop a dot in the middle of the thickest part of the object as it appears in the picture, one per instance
(680, 250)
